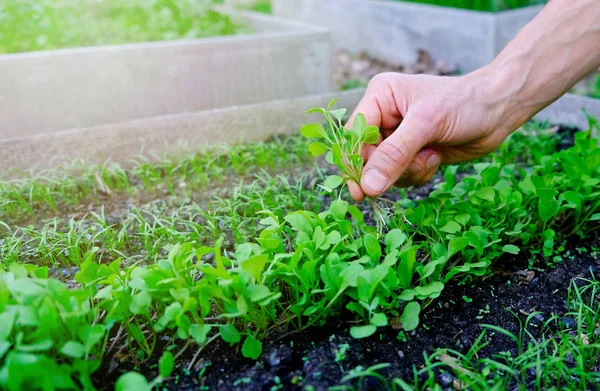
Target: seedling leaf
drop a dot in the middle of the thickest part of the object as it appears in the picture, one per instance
(252, 348)
(132, 381)
(333, 181)
(166, 364)
(511, 248)
(230, 334)
(313, 131)
(410, 316)
(317, 148)
(359, 332)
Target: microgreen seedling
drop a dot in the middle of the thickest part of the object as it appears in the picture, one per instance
(343, 148)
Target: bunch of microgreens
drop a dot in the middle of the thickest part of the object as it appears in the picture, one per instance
(343, 148)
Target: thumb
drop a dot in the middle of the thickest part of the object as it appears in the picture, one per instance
(392, 157)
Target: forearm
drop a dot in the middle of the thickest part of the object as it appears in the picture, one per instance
(548, 56)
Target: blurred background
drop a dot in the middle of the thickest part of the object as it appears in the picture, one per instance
(76, 64)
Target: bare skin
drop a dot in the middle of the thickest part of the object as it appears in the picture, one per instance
(426, 120)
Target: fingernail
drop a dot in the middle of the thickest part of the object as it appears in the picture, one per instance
(375, 180)
(433, 161)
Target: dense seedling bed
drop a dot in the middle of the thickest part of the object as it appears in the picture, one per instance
(481, 5)
(31, 25)
(247, 268)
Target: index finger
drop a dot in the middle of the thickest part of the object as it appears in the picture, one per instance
(379, 105)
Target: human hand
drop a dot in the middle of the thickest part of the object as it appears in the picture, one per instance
(426, 121)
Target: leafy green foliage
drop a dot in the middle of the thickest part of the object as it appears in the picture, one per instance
(595, 87)
(58, 190)
(294, 263)
(263, 6)
(343, 147)
(481, 5)
(50, 336)
(30, 25)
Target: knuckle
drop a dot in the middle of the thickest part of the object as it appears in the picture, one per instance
(425, 116)
(393, 154)
(428, 119)
(381, 79)
(422, 181)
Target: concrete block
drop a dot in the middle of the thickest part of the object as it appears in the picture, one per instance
(394, 31)
(123, 141)
(55, 90)
(568, 110)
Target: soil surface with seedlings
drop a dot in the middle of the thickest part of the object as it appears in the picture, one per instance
(320, 357)
(355, 70)
(519, 287)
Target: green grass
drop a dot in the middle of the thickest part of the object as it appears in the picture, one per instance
(481, 5)
(56, 191)
(265, 256)
(263, 6)
(31, 25)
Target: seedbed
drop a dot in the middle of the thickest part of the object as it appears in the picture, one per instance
(467, 39)
(127, 231)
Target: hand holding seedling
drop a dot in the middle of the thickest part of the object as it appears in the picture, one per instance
(426, 121)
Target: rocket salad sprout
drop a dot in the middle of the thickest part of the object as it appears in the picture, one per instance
(342, 147)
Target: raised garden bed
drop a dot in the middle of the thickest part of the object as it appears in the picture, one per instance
(156, 217)
(49, 91)
(571, 109)
(395, 31)
(352, 71)
(122, 142)
(589, 86)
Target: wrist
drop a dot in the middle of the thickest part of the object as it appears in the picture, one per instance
(504, 91)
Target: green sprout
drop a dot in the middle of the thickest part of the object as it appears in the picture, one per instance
(342, 147)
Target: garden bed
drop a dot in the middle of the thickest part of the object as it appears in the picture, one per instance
(395, 31)
(150, 215)
(355, 70)
(589, 86)
(571, 109)
(49, 91)
(124, 141)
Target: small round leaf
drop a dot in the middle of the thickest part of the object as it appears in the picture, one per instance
(359, 332)
(252, 348)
